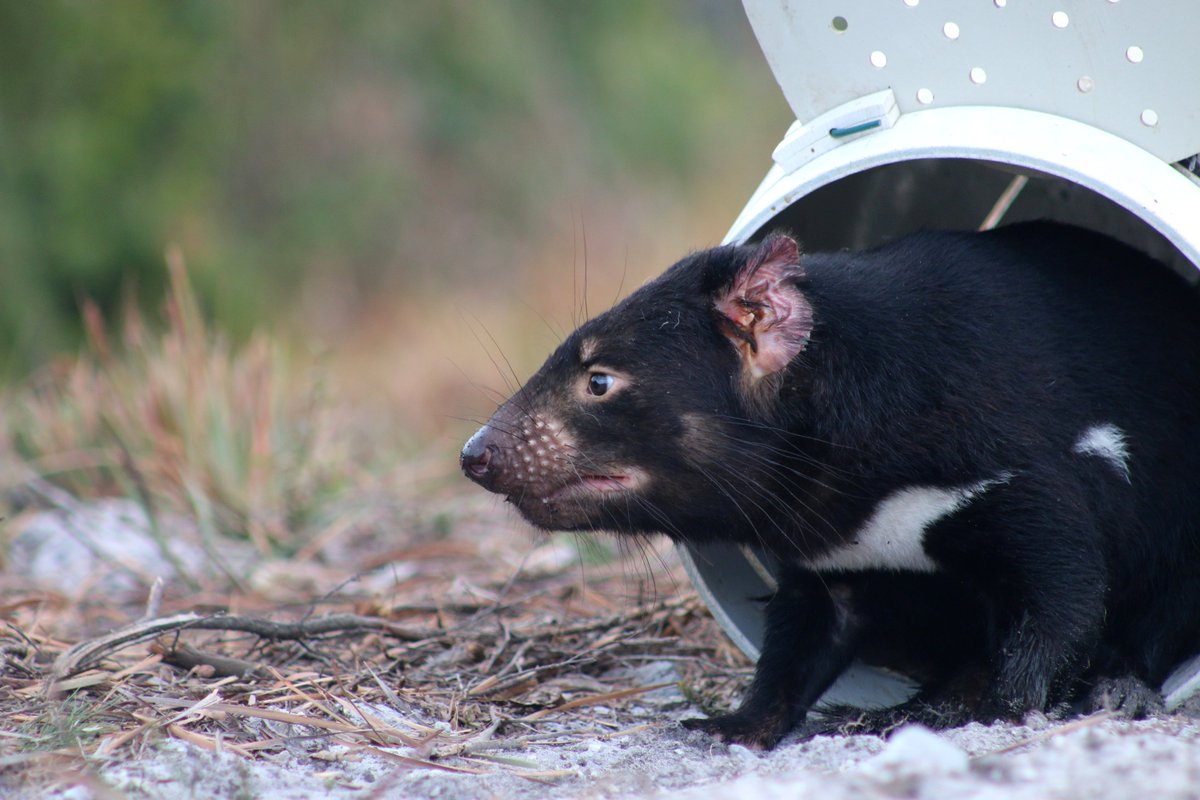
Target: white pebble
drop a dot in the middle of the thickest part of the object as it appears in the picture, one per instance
(742, 753)
(916, 750)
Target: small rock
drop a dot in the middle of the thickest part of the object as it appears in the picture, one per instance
(914, 750)
(742, 753)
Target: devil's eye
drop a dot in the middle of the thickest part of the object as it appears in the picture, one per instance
(599, 383)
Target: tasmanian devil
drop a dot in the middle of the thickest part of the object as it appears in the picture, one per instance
(973, 457)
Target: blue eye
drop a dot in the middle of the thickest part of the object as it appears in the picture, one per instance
(599, 383)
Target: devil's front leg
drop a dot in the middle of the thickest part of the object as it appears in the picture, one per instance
(811, 636)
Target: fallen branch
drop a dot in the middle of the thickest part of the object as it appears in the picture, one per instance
(85, 654)
(184, 656)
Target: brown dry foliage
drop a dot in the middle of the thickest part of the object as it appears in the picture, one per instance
(479, 661)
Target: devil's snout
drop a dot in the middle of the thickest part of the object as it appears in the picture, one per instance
(477, 458)
(519, 453)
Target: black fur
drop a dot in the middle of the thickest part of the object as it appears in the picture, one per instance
(941, 360)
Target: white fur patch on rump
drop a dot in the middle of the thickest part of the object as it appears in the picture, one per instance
(1106, 441)
(893, 537)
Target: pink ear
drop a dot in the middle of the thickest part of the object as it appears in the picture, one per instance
(766, 317)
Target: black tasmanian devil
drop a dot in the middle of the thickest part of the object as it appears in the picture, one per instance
(975, 457)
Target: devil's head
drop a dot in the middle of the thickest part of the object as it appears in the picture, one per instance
(654, 415)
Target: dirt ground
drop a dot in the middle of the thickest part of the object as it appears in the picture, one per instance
(1085, 759)
(470, 661)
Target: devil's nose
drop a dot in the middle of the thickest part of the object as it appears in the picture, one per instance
(476, 465)
(477, 455)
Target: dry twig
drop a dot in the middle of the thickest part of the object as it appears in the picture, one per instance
(84, 654)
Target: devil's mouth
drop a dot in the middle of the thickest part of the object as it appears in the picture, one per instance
(597, 485)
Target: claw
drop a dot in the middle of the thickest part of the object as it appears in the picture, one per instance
(1126, 697)
(756, 734)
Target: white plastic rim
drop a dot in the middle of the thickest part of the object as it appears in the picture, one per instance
(1165, 197)
(731, 581)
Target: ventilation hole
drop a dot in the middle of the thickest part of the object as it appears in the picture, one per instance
(1001, 3)
(911, 3)
(924, 96)
(840, 24)
(1085, 84)
(978, 75)
(1135, 54)
(951, 30)
(1059, 19)
(878, 59)
(1149, 118)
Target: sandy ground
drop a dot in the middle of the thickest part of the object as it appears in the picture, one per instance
(1090, 758)
(636, 749)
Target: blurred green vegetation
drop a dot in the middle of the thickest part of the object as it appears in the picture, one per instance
(357, 146)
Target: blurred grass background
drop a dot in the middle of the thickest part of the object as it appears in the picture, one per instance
(408, 197)
(313, 157)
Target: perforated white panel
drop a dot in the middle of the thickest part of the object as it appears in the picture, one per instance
(1129, 67)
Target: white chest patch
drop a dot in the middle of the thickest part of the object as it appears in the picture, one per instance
(893, 537)
(1106, 441)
